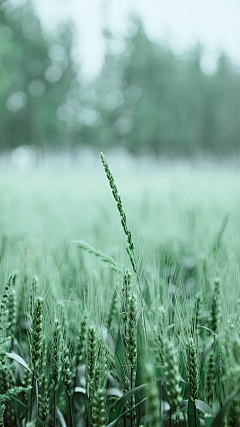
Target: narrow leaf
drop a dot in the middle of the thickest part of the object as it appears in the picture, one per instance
(140, 371)
(130, 409)
(119, 405)
(203, 407)
(113, 391)
(60, 418)
(80, 390)
(18, 359)
(121, 360)
(219, 419)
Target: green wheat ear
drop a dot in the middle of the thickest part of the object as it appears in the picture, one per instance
(117, 197)
(172, 376)
(153, 403)
(91, 357)
(81, 342)
(66, 371)
(113, 309)
(56, 362)
(98, 408)
(215, 309)
(36, 332)
(192, 369)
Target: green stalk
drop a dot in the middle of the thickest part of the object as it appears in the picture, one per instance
(55, 407)
(70, 411)
(31, 398)
(195, 415)
(131, 413)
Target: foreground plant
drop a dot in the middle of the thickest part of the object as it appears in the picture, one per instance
(36, 343)
(172, 377)
(56, 364)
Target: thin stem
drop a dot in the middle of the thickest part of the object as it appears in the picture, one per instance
(75, 384)
(131, 413)
(170, 418)
(31, 398)
(75, 381)
(70, 411)
(89, 408)
(55, 407)
(195, 415)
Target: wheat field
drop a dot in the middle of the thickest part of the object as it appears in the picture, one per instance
(120, 303)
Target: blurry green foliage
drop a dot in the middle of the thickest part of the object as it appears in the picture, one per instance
(154, 101)
(145, 99)
(36, 71)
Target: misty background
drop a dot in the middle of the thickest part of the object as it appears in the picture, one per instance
(139, 79)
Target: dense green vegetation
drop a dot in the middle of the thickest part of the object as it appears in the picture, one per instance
(145, 99)
(94, 335)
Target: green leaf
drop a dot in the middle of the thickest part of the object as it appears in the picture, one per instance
(203, 407)
(121, 360)
(34, 413)
(119, 405)
(219, 419)
(208, 421)
(114, 391)
(142, 356)
(18, 402)
(121, 415)
(18, 359)
(80, 390)
(184, 405)
(60, 418)
(193, 418)
(206, 350)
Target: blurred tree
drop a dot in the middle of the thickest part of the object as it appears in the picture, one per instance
(37, 76)
(145, 99)
(152, 101)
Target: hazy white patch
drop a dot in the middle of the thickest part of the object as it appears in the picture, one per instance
(123, 125)
(90, 117)
(53, 74)
(23, 157)
(133, 93)
(114, 99)
(65, 112)
(209, 62)
(16, 101)
(56, 53)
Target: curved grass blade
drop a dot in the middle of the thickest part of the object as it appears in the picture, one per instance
(18, 359)
(119, 405)
(219, 419)
(203, 407)
(124, 413)
(142, 355)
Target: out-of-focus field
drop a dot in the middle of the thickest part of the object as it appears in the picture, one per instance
(175, 213)
(173, 203)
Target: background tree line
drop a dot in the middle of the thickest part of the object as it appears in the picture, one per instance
(145, 98)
